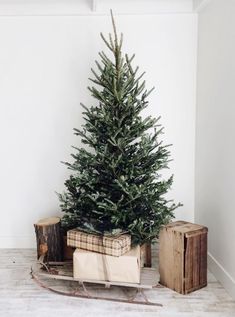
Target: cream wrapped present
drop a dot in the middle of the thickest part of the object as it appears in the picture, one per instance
(111, 245)
(101, 267)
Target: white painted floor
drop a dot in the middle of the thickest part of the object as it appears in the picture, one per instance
(20, 296)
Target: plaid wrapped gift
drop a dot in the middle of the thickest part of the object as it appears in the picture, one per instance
(111, 245)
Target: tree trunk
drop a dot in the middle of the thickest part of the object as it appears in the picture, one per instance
(48, 235)
(67, 251)
(146, 255)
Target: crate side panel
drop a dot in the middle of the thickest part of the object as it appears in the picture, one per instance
(178, 256)
(203, 259)
(166, 258)
(188, 263)
(196, 260)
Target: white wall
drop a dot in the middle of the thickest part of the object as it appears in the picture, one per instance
(215, 151)
(45, 63)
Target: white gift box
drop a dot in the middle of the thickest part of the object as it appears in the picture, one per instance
(89, 265)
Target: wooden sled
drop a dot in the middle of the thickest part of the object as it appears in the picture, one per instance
(43, 273)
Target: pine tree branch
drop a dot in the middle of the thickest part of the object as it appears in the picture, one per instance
(106, 42)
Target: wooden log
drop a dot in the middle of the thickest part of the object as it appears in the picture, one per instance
(48, 236)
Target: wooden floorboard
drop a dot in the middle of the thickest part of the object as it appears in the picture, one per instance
(20, 296)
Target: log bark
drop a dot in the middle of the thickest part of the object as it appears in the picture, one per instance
(49, 242)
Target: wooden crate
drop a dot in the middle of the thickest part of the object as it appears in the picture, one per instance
(183, 256)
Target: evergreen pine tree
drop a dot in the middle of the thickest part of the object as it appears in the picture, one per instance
(115, 184)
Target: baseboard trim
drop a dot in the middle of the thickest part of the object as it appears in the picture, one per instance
(221, 275)
(17, 242)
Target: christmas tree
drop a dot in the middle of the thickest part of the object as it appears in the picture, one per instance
(115, 185)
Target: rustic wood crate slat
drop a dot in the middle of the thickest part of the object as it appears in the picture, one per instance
(183, 256)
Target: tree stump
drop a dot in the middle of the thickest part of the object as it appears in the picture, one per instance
(48, 235)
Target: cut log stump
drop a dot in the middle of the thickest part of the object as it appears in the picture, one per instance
(48, 236)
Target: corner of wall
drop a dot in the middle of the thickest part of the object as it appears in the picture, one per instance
(199, 5)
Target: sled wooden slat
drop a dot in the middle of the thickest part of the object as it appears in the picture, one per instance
(148, 280)
(53, 277)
